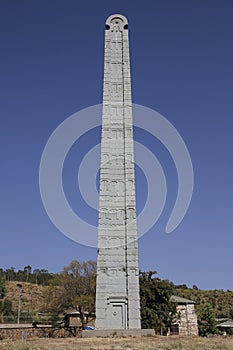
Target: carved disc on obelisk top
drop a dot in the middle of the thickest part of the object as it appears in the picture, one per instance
(117, 292)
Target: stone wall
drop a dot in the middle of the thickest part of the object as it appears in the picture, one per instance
(21, 332)
(187, 320)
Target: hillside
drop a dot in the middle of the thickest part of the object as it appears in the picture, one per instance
(46, 296)
(221, 301)
(32, 300)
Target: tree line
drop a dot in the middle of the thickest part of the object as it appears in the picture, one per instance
(74, 288)
(37, 276)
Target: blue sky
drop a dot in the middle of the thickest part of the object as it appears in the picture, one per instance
(181, 66)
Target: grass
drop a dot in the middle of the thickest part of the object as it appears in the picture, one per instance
(117, 343)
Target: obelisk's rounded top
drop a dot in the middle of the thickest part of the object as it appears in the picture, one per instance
(118, 20)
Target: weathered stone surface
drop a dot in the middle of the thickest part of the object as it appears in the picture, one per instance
(117, 292)
(26, 331)
(188, 320)
(186, 316)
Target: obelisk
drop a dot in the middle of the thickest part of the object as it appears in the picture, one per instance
(117, 290)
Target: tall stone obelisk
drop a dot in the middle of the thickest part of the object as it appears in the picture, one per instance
(117, 292)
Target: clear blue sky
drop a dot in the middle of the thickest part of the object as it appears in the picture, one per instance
(181, 66)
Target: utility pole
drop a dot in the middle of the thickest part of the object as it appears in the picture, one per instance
(21, 291)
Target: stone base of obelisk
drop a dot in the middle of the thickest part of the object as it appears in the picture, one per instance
(108, 333)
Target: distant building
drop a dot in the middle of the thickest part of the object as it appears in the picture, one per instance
(186, 318)
(72, 321)
(226, 327)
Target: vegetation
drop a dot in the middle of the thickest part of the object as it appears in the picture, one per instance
(156, 309)
(5, 304)
(221, 301)
(6, 310)
(73, 288)
(124, 343)
(37, 276)
(46, 297)
(2, 287)
(206, 320)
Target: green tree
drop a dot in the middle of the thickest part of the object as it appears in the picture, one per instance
(73, 287)
(27, 270)
(206, 320)
(6, 307)
(6, 312)
(41, 277)
(156, 309)
(231, 313)
(2, 288)
(10, 274)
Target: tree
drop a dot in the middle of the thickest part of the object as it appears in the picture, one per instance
(41, 277)
(85, 304)
(156, 309)
(27, 270)
(6, 311)
(206, 320)
(231, 313)
(2, 288)
(6, 307)
(10, 274)
(73, 287)
(195, 287)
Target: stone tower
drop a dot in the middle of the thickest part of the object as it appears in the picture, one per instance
(117, 292)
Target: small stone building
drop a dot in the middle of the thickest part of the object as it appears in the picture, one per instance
(72, 319)
(226, 327)
(186, 318)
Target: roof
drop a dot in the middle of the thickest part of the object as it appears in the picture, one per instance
(180, 300)
(226, 324)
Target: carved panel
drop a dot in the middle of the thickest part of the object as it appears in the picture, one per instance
(118, 160)
(107, 44)
(116, 44)
(115, 188)
(117, 88)
(117, 134)
(112, 214)
(113, 133)
(133, 272)
(116, 111)
(130, 213)
(107, 88)
(113, 159)
(129, 158)
(130, 185)
(128, 132)
(127, 111)
(112, 272)
(105, 157)
(104, 185)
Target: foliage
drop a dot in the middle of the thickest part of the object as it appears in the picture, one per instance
(156, 309)
(73, 287)
(221, 301)
(206, 320)
(6, 312)
(6, 308)
(38, 276)
(2, 288)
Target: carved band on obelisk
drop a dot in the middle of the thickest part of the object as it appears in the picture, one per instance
(117, 291)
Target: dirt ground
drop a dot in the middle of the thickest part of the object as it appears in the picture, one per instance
(121, 343)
